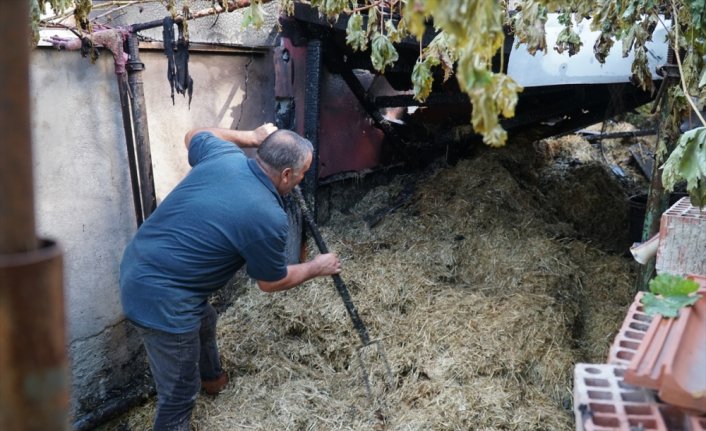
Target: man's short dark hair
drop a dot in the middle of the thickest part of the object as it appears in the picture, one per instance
(285, 149)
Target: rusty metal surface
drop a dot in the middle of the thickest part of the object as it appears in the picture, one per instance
(284, 72)
(349, 139)
(34, 384)
(17, 223)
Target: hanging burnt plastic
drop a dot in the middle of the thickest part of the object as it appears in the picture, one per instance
(177, 52)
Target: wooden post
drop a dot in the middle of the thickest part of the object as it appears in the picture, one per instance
(33, 365)
(657, 197)
(16, 205)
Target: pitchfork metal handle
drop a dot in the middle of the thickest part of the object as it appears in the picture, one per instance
(337, 280)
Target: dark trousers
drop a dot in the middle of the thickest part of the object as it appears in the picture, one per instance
(178, 363)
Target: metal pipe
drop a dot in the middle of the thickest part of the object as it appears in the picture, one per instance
(130, 144)
(139, 116)
(33, 365)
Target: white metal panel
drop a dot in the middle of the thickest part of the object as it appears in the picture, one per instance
(552, 68)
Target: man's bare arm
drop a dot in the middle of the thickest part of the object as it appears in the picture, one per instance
(321, 265)
(241, 138)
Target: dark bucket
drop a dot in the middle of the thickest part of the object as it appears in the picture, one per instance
(637, 205)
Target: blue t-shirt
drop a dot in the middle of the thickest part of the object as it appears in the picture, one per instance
(223, 214)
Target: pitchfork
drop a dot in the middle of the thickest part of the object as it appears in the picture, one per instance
(346, 296)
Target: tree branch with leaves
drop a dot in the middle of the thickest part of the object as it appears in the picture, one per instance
(470, 33)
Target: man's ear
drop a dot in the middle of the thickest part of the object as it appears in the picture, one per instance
(287, 175)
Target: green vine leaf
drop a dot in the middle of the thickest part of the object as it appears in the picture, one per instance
(443, 48)
(392, 32)
(383, 53)
(568, 40)
(414, 18)
(528, 25)
(422, 78)
(698, 15)
(688, 162)
(668, 294)
(373, 20)
(356, 37)
(254, 15)
(330, 8)
(602, 47)
(691, 66)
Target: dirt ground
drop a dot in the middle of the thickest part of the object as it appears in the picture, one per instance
(484, 287)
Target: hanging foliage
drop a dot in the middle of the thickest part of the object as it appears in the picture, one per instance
(469, 34)
(688, 162)
(254, 16)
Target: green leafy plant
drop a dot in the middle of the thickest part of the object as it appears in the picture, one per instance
(668, 294)
(254, 15)
(470, 34)
(383, 52)
(688, 162)
(356, 36)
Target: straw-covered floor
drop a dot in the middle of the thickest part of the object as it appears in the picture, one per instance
(482, 292)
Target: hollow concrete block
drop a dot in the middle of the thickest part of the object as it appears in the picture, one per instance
(682, 240)
(671, 358)
(628, 339)
(603, 401)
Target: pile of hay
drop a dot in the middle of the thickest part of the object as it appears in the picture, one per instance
(482, 296)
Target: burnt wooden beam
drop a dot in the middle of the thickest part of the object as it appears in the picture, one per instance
(312, 109)
(596, 136)
(433, 99)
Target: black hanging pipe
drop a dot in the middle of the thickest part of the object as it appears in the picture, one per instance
(139, 116)
(130, 144)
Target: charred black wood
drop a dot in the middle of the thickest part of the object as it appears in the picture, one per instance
(644, 157)
(312, 107)
(597, 136)
(433, 99)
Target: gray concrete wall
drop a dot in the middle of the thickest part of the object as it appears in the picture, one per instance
(83, 193)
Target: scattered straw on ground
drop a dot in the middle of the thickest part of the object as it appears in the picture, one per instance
(481, 296)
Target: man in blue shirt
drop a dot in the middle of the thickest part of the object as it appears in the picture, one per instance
(227, 212)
